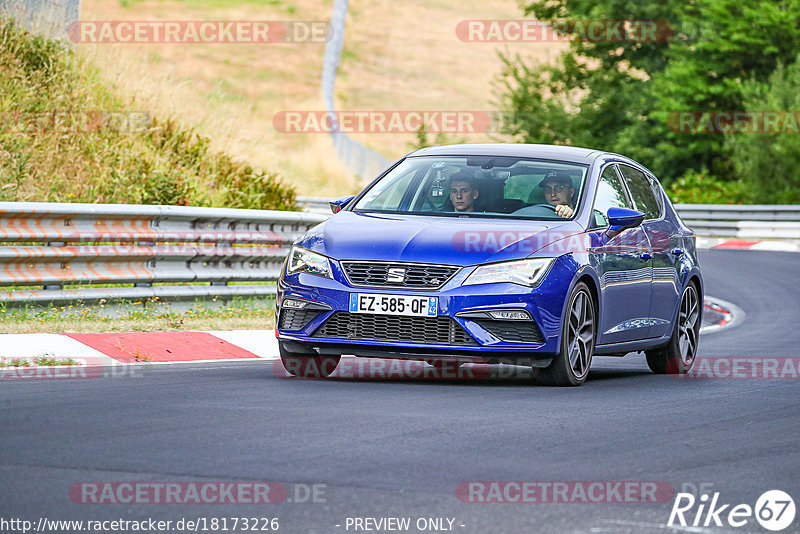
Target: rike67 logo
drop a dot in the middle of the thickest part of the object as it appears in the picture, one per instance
(774, 510)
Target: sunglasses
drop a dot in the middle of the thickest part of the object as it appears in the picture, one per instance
(560, 188)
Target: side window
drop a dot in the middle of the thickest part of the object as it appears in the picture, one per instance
(641, 192)
(387, 196)
(610, 194)
(657, 191)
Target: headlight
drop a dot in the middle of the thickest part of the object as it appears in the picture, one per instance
(523, 272)
(302, 260)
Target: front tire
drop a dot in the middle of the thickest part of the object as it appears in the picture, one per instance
(307, 365)
(570, 367)
(677, 357)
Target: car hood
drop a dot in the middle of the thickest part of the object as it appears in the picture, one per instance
(447, 240)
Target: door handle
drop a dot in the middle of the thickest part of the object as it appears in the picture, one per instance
(677, 251)
(646, 256)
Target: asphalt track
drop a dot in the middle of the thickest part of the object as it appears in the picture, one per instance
(400, 448)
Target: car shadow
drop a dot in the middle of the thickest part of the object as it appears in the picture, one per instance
(369, 370)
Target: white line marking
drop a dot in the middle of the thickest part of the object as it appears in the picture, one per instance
(737, 315)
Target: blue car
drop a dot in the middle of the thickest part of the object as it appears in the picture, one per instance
(497, 253)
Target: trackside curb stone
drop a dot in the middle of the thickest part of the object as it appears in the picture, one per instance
(260, 343)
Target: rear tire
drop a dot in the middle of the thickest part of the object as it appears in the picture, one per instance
(307, 365)
(678, 356)
(570, 366)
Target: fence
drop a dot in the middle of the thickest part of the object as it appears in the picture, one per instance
(47, 17)
(360, 160)
(53, 245)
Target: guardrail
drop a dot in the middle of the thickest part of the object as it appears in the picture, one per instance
(315, 205)
(56, 245)
(154, 248)
(707, 220)
(743, 222)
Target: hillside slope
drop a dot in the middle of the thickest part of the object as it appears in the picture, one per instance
(397, 56)
(65, 136)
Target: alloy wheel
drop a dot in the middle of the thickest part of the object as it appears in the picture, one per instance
(580, 334)
(687, 324)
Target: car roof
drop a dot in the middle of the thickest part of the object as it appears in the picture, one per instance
(569, 154)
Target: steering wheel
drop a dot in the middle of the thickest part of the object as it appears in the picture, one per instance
(532, 209)
(543, 206)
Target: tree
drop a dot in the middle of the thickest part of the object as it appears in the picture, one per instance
(768, 162)
(619, 95)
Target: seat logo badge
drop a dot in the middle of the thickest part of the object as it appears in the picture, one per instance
(396, 275)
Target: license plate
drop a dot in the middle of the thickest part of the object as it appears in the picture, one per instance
(394, 304)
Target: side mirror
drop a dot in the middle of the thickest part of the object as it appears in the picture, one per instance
(620, 219)
(339, 203)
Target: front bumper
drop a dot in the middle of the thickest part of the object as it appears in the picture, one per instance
(327, 327)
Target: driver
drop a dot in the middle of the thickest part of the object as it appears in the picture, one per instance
(559, 193)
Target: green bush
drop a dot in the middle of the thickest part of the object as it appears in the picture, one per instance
(769, 162)
(236, 184)
(618, 95)
(701, 188)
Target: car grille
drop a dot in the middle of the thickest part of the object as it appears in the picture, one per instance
(513, 331)
(295, 319)
(414, 275)
(434, 330)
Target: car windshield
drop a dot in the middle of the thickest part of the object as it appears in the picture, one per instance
(480, 186)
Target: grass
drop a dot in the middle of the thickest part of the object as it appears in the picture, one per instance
(397, 56)
(41, 361)
(212, 107)
(164, 163)
(228, 92)
(140, 316)
(68, 136)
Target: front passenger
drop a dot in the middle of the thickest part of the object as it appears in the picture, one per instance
(463, 192)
